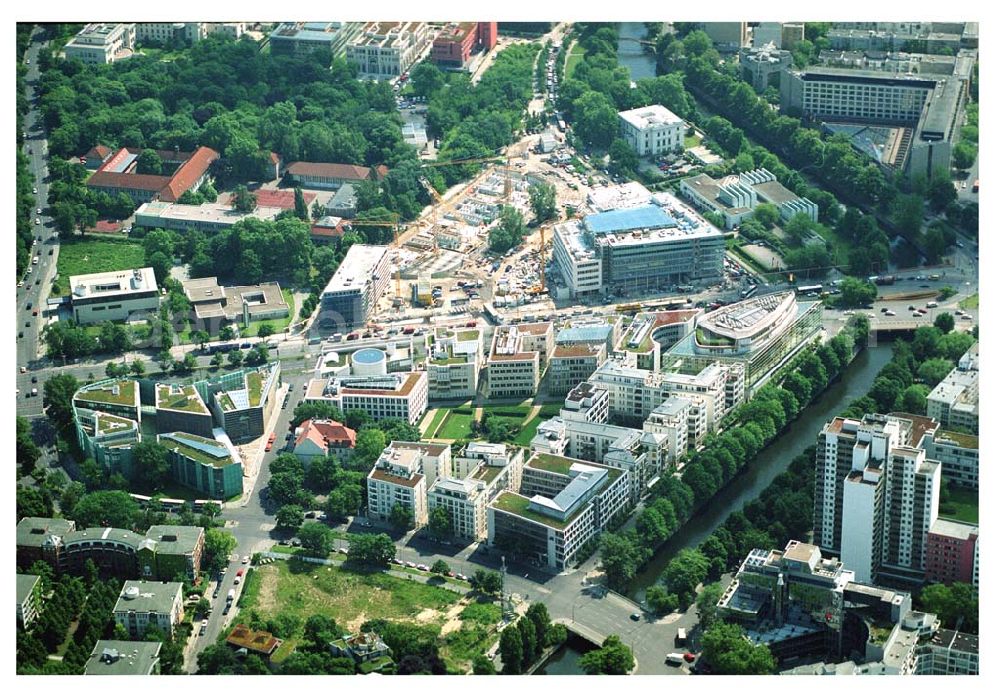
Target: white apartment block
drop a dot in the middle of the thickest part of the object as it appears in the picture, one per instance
(517, 360)
(401, 475)
(580, 264)
(652, 130)
(113, 296)
(672, 419)
(386, 50)
(167, 33)
(876, 495)
(102, 43)
(453, 363)
(143, 605)
(958, 454)
(402, 396)
(479, 473)
(955, 401)
(636, 393)
(587, 403)
(561, 505)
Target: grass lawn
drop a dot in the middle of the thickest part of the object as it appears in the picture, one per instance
(527, 432)
(83, 256)
(970, 302)
(963, 505)
(575, 57)
(435, 423)
(279, 325)
(350, 597)
(301, 589)
(521, 410)
(691, 141)
(456, 426)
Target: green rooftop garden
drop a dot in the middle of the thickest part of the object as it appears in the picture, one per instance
(551, 463)
(468, 335)
(187, 400)
(255, 383)
(226, 401)
(110, 423)
(177, 442)
(706, 338)
(487, 473)
(126, 394)
(518, 504)
(451, 358)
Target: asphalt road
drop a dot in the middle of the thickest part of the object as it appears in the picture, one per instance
(36, 284)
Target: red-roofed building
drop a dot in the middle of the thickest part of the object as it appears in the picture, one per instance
(97, 155)
(326, 230)
(117, 174)
(330, 176)
(319, 438)
(455, 44)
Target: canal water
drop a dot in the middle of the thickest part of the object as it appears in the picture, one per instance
(769, 464)
(565, 661)
(631, 54)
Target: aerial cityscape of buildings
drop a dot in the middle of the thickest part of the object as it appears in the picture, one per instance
(429, 346)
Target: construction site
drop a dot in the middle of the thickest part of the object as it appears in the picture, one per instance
(441, 263)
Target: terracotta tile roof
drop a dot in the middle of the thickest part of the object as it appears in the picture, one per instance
(381, 170)
(98, 151)
(114, 179)
(170, 188)
(189, 173)
(328, 170)
(324, 432)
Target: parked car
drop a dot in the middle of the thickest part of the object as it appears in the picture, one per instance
(245, 560)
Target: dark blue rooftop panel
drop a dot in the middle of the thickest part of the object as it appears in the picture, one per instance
(642, 217)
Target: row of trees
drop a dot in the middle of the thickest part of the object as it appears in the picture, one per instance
(304, 107)
(475, 121)
(751, 426)
(522, 642)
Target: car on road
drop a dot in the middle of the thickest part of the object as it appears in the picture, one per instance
(635, 616)
(689, 657)
(21, 282)
(34, 380)
(411, 565)
(34, 191)
(245, 560)
(911, 308)
(917, 314)
(890, 313)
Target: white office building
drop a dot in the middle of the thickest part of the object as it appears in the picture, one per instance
(102, 43)
(386, 50)
(652, 130)
(479, 473)
(402, 474)
(114, 296)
